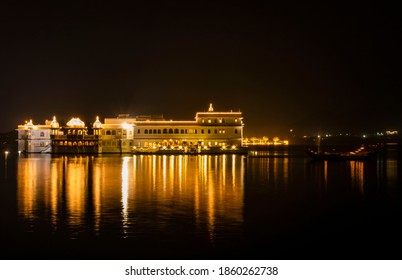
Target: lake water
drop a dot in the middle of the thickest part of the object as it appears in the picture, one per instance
(281, 205)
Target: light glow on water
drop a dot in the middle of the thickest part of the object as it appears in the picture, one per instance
(167, 204)
(85, 189)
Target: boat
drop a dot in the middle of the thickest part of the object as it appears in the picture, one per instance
(359, 154)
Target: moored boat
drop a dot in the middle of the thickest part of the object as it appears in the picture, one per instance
(360, 154)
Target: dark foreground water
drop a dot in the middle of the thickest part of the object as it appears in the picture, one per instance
(278, 206)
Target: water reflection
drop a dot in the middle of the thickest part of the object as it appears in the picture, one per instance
(131, 195)
(227, 206)
(272, 171)
(343, 174)
(357, 174)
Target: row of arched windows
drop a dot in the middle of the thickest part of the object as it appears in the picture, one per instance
(74, 143)
(181, 131)
(165, 131)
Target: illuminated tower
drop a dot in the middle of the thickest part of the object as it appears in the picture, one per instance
(97, 126)
(54, 127)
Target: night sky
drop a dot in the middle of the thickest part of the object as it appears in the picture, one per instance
(308, 67)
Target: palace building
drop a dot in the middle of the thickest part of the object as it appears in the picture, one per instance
(34, 138)
(123, 134)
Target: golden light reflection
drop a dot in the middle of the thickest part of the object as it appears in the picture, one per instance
(33, 186)
(154, 169)
(268, 169)
(97, 170)
(164, 168)
(357, 174)
(392, 171)
(124, 190)
(56, 176)
(76, 173)
(95, 192)
(286, 171)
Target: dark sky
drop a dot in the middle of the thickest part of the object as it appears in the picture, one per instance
(308, 67)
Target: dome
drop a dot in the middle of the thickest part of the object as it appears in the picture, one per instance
(29, 124)
(97, 123)
(76, 122)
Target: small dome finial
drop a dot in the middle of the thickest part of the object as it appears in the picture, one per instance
(211, 109)
(54, 123)
(97, 123)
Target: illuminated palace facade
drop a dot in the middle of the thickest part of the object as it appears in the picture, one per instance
(123, 134)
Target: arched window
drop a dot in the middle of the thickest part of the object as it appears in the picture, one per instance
(236, 131)
(182, 131)
(170, 131)
(216, 131)
(154, 131)
(159, 131)
(113, 132)
(146, 131)
(176, 131)
(107, 132)
(165, 131)
(139, 131)
(209, 131)
(42, 134)
(150, 131)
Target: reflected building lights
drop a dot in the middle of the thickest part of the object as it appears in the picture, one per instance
(178, 174)
(172, 172)
(125, 190)
(276, 176)
(286, 171)
(97, 193)
(164, 171)
(357, 174)
(392, 172)
(75, 187)
(223, 158)
(55, 183)
(211, 209)
(82, 191)
(154, 169)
